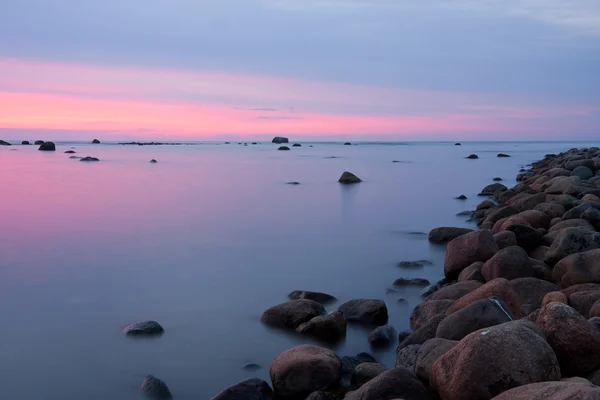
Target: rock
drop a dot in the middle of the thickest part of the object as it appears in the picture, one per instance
(293, 183)
(502, 155)
(527, 201)
(331, 395)
(510, 263)
(583, 302)
(584, 287)
(348, 178)
(570, 241)
(564, 200)
(575, 341)
(552, 391)
(552, 297)
(578, 268)
(595, 310)
(144, 328)
(572, 223)
(283, 148)
(155, 389)
(395, 383)
(484, 205)
(38, 142)
(527, 237)
(428, 354)
(349, 363)
(411, 282)
(505, 196)
(493, 188)
(89, 159)
(70, 152)
(296, 145)
(47, 146)
(422, 334)
(497, 179)
(594, 377)
(577, 211)
(490, 361)
(505, 239)
(292, 314)
(3, 143)
(591, 197)
(251, 367)
(457, 144)
(425, 311)
(461, 197)
(366, 311)
(477, 315)
(330, 327)
(250, 389)
(552, 210)
(571, 165)
(347, 144)
(25, 142)
(472, 157)
(95, 141)
(472, 273)
(301, 370)
(537, 219)
(365, 372)
(153, 161)
(531, 291)
(382, 336)
(74, 158)
(322, 298)
(467, 249)
(446, 234)
(414, 264)
(499, 287)
(539, 253)
(542, 271)
(407, 357)
(402, 301)
(279, 140)
(502, 212)
(429, 290)
(592, 215)
(582, 172)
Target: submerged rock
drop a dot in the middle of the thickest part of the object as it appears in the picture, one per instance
(329, 327)
(70, 152)
(319, 297)
(349, 177)
(38, 142)
(47, 146)
(461, 197)
(502, 155)
(293, 183)
(144, 328)
(89, 159)
(347, 144)
(25, 142)
(154, 389)
(414, 264)
(365, 372)
(382, 336)
(411, 282)
(292, 314)
(283, 148)
(296, 145)
(250, 389)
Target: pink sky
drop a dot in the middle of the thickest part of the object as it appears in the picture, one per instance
(127, 101)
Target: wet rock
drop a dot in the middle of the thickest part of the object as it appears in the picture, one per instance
(510, 263)
(89, 159)
(553, 391)
(47, 146)
(153, 161)
(578, 268)
(414, 264)
(293, 183)
(155, 389)
(472, 273)
(484, 205)
(527, 237)
(592, 215)
(570, 241)
(583, 301)
(319, 297)
(347, 144)
(461, 197)
(95, 141)
(422, 334)
(283, 148)
(251, 367)
(505, 239)
(575, 341)
(497, 179)
(499, 287)
(250, 389)
(349, 363)
(425, 311)
(552, 297)
(366, 311)
(382, 336)
(571, 165)
(330, 327)
(365, 372)
(301, 370)
(472, 157)
(531, 292)
(582, 172)
(411, 282)
(467, 249)
(493, 188)
(429, 290)
(502, 155)
(348, 178)
(477, 315)
(292, 314)
(492, 360)
(144, 328)
(407, 357)
(279, 140)
(428, 354)
(395, 383)
(446, 234)
(38, 142)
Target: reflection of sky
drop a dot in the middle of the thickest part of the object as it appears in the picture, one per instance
(371, 68)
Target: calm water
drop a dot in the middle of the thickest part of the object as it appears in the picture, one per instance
(203, 242)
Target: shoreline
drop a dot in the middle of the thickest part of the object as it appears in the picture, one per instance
(515, 290)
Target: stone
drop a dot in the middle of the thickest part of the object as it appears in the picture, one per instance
(502, 212)
(498, 287)
(553, 297)
(444, 235)
(349, 178)
(296, 145)
(577, 211)
(3, 143)
(279, 140)
(407, 357)
(153, 161)
(366, 311)
(472, 273)
(422, 334)
(510, 263)
(25, 142)
(47, 146)
(395, 383)
(531, 292)
(423, 313)
(155, 389)
(492, 360)
(527, 237)
(428, 354)
(349, 363)
(301, 370)
(583, 287)
(595, 310)
(455, 291)
(411, 282)
(592, 215)
(575, 341)
(484, 205)
(74, 158)
(570, 241)
(330, 327)
(283, 148)
(472, 157)
(594, 377)
(89, 159)
(38, 142)
(497, 179)
(582, 172)
(250, 389)
(564, 200)
(365, 372)
(552, 391)
(461, 197)
(493, 188)
(319, 297)
(292, 314)
(542, 271)
(591, 197)
(537, 219)
(584, 301)
(70, 152)
(578, 268)
(347, 144)
(382, 336)
(527, 201)
(572, 165)
(467, 249)
(477, 315)
(552, 210)
(414, 264)
(505, 239)
(251, 367)
(539, 253)
(502, 155)
(144, 328)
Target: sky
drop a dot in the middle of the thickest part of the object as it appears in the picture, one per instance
(326, 69)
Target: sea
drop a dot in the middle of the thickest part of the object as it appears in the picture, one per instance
(204, 241)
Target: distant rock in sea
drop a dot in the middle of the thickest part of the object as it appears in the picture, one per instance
(153, 161)
(297, 145)
(25, 142)
(293, 183)
(280, 139)
(74, 157)
(38, 142)
(472, 157)
(497, 179)
(3, 143)
(349, 177)
(47, 146)
(227, 142)
(95, 141)
(347, 144)
(457, 144)
(70, 152)
(283, 148)
(89, 159)
(461, 197)
(502, 155)
(144, 328)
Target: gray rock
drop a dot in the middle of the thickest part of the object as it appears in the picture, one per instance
(349, 178)
(349, 363)
(407, 357)
(47, 146)
(365, 372)
(395, 383)
(283, 148)
(144, 328)
(366, 311)
(250, 389)
(411, 282)
(89, 159)
(292, 314)
(155, 389)
(319, 297)
(582, 172)
(330, 327)
(279, 140)
(382, 336)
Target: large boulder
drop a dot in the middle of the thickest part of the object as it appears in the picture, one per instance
(552, 210)
(329, 327)
(582, 172)
(531, 292)
(572, 164)
(498, 287)
(423, 313)
(571, 223)
(382, 336)
(467, 249)
(47, 146)
(407, 357)
(366, 311)
(584, 301)
(565, 200)
(301, 370)
(456, 290)
(527, 237)
(472, 273)
(490, 361)
(570, 241)
(292, 314)
(578, 268)
(445, 234)
(510, 263)
(560, 390)
(279, 140)
(493, 188)
(578, 210)
(592, 215)
(527, 201)
(552, 297)
(477, 315)
(582, 287)
(428, 354)
(498, 214)
(505, 239)
(365, 372)
(250, 389)
(535, 218)
(319, 297)
(575, 341)
(396, 383)
(424, 333)
(564, 185)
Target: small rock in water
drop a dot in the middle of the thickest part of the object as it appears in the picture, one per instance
(153, 161)
(95, 141)
(296, 145)
(283, 148)
(251, 367)
(227, 142)
(279, 140)
(25, 142)
(411, 282)
(47, 146)
(314, 296)
(461, 197)
(70, 152)
(389, 290)
(414, 264)
(155, 389)
(250, 389)
(457, 144)
(144, 328)
(366, 311)
(74, 157)
(87, 159)
(348, 178)
(38, 142)
(402, 301)
(497, 179)
(472, 157)
(3, 143)
(254, 143)
(502, 155)
(329, 327)
(466, 213)
(347, 144)
(349, 363)
(429, 290)
(382, 336)
(293, 183)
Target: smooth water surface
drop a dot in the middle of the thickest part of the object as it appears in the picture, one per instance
(203, 242)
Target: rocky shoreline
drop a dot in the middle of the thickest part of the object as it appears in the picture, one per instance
(516, 317)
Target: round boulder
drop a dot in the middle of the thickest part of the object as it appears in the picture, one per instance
(505, 239)
(250, 389)
(582, 172)
(329, 327)
(552, 210)
(570, 241)
(319, 297)
(498, 287)
(144, 328)
(366, 311)
(395, 383)
(155, 389)
(365, 372)
(428, 354)
(47, 146)
(423, 313)
(467, 249)
(292, 314)
(531, 292)
(472, 273)
(578, 268)
(445, 234)
(554, 297)
(509, 263)
(382, 336)
(561, 390)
